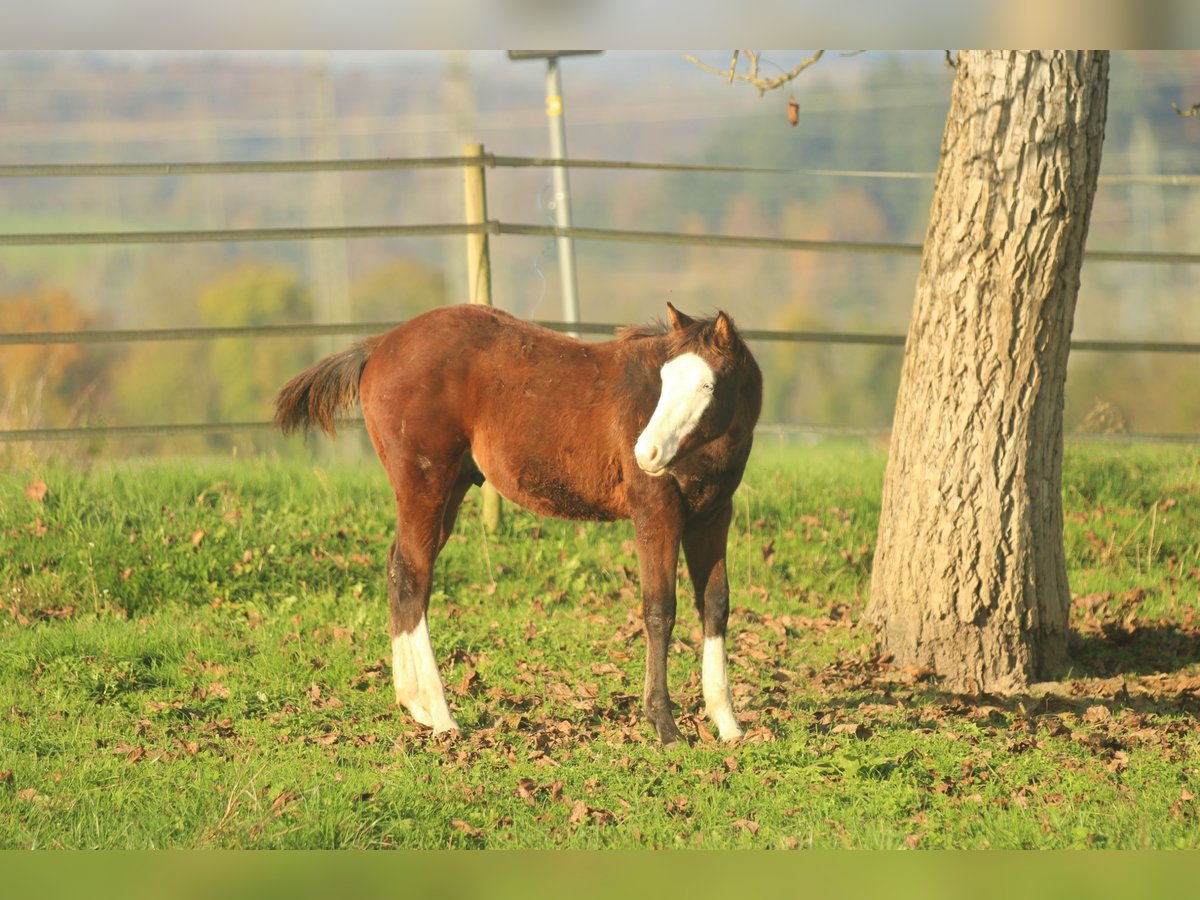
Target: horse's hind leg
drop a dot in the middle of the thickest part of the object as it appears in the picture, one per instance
(426, 502)
(704, 548)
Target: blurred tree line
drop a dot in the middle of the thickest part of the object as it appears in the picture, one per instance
(888, 118)
(181, 381)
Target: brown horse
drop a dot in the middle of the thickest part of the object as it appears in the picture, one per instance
(654, 426)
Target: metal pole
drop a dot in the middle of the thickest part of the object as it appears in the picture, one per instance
(479, 287)
(562, 191)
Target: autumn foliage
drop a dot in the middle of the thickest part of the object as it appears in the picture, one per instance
(42, 384)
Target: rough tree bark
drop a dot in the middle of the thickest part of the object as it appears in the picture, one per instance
(970, 576)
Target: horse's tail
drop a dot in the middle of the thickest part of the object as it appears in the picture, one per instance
(318, 394)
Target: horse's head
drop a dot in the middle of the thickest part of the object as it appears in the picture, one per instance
(703, 384)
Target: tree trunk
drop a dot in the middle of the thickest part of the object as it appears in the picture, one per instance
(970, 576)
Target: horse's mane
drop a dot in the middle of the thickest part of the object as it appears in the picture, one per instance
(697, 337)
(657, 328)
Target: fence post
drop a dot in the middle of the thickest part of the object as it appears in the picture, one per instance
(479, 286)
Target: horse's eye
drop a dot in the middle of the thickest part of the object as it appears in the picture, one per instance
(707, 387)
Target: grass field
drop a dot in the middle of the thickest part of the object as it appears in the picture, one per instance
(194, 654)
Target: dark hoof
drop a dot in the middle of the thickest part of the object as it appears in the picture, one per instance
(671, 737)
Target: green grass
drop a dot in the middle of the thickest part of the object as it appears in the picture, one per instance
(194, 654)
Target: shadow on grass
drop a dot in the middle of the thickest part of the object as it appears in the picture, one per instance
(1142, 650)
(1145, 669)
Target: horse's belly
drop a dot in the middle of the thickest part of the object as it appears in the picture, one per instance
(546, 495)
(544, 488)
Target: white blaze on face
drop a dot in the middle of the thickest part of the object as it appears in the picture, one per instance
(687, 390)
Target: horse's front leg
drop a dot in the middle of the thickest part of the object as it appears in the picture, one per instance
(658, 554)
(704, 544)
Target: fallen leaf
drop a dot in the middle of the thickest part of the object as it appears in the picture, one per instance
(746, 825)
(525, 787)
(854, 729)
(1119, 763)
(218, 690)
(679, 805)
(367, 796)
(466, 828)
(1177, 808)
(36, 490)
(581, 812)
(467, 683)
(918, 673)
(282, 801)
(131, 752)
(758, 735)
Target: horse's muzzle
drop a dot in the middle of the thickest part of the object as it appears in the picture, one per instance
(651, 459)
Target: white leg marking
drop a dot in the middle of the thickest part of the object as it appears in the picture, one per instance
(687, 389)
(418, 683)
(716, 689)
(404, 677)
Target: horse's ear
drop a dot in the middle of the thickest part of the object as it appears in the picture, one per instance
(723, 330)
(679, 321)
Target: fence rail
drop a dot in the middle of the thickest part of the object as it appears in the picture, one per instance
(777, 429)
(492, 161)
(494, 227)
(136, 335)
(218, 235)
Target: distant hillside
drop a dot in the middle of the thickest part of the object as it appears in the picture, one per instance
(872, 112)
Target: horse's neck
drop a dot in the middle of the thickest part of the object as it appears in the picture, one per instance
(637, 384)
(646, 354)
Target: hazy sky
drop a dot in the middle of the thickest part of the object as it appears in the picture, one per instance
(474, 24)
(633, 24)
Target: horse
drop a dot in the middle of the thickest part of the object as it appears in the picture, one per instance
(655, 426)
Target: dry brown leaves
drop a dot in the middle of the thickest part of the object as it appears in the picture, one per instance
(36, 490)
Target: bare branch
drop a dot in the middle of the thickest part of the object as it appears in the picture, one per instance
(1194, 111)
(708, 68)
(752, 76)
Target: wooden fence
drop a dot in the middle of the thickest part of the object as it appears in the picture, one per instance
(478, 229)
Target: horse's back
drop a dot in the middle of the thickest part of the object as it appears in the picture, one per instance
(535, 408)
